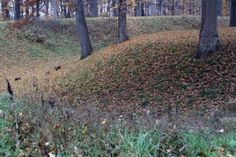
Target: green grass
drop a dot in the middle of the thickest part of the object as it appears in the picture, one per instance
(61, 37)
(7, 147)
(210, 145)
(91, 140)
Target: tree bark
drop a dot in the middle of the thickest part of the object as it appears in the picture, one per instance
(47, 8)
(37, 8)
(122, 18)
(114, 9)
(27, 9)
(139, 8)
(64, 9)
(177, 7)
(17, 9)
(94, 8)
(5, 10)
(219, 7)
(82, 29)
(173, 7)
(208, 35)
(161, 7)
(54, 8)
(233, 14)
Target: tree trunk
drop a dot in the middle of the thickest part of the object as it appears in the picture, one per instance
(190, 8)
(139, 8)
(54, 8)
(122, 17)
(161, 7)
(94, 8)
(82, 29)
(114, 9)
(219, 7)
(37, 8)
(7, 14)
(5, 10)
(27, 9)
(47, 8)
(177, 7)
(173, 7)
(17, 9)
(109, 7)
(64, 9)
(61, 8)
(233, 14)
(208, 35)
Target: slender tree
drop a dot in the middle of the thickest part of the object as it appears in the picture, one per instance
(114, 9)
(54, 6)
(17, 9)
(208, 35)
(94, 8)
(26, 9)
(161, 7)
(5, 10)
(46, 7)
(82, 29)
(139, 8)
(233, 14)
(37, 8)
(122, 18)
(172, 8)
(219, 7)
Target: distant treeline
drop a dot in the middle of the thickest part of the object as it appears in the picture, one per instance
(26, 9)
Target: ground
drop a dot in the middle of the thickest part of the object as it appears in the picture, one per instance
(151, 81)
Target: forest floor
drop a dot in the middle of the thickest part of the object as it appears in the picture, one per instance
(151, 82)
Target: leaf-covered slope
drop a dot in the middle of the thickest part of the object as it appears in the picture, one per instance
(155, 70)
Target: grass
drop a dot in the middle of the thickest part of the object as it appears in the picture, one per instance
(6, 142)
(43, 130)
(61, 37)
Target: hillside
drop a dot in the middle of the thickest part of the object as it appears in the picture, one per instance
(148, 70)
(41, 46)
(156, 71)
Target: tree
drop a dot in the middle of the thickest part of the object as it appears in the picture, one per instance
(172, 6)
(122, 18)
(94, 8)
(5, 10)
(139, 8)
(219, 7)
(54, 6)
(37, 8)
(46, 7)
(233, 14)
(17, 9)
(114, 9)
(82, 29)
(26, 9)
(161, 7)
(208, 35)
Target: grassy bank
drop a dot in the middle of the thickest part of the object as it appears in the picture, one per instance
(35, 130)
